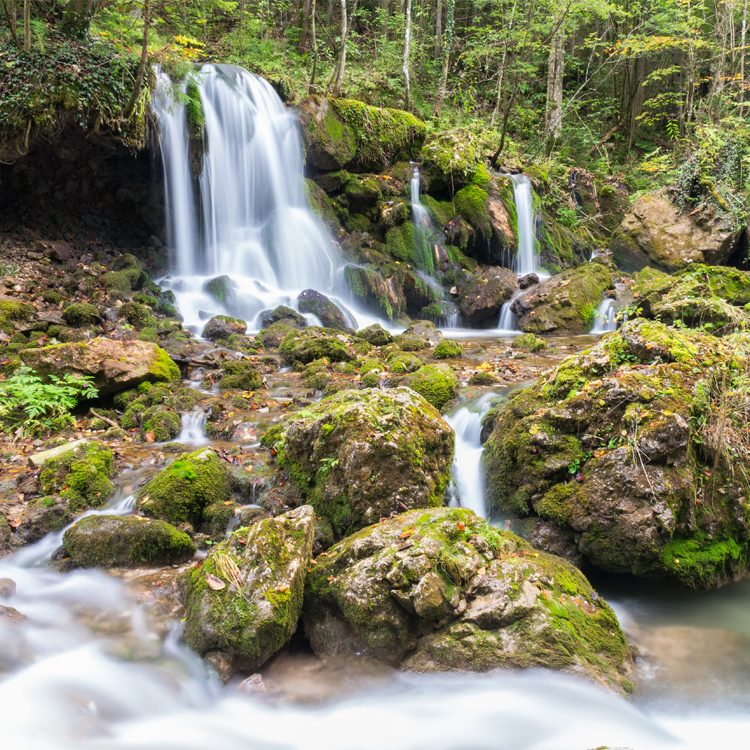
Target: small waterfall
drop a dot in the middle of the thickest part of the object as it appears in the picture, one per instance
(605, 317)
(527, 260)
(422, 227)
(467, 471)
(193, 428)
(507, 322)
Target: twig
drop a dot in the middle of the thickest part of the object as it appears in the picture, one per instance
(110, 422)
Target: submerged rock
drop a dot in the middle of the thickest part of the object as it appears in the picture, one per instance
(120, 542)
(656, 233)
(244, 601)
(442, 590)
(114, 365)
(318, 304)
(636, 446)
(566, 303)
(360, 455)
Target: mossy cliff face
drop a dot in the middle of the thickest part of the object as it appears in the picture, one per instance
(566, 303)
(360, 455)
(118, 542)
(711, 297)
(114, 365)
(81, 476)
(655, 233)
(620, 445)
(442, 590)
(186, 487)
(245, 599)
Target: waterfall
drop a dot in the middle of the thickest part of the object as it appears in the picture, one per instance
(422, 227)
(527, 260)
(507, 322)
(193, 428)
(605, 317)
(247, 217)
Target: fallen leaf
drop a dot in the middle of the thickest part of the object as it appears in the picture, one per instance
(150, 437)
(215, 582)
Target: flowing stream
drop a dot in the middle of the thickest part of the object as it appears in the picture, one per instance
(605, 317)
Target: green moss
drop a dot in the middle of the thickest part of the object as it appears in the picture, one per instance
(162, 368)
(135, 314)
(148, 334)
(471, 204)
(530, 342)
(51, 297)
(127, 280)
(241, 375)
(448, 349)
(164, 424)
(437, 383)
(317, 343)
(401, 364)
(80, 314)
(699, 562)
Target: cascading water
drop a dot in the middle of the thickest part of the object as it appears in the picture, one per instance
(527, 260)
(248, 218)
(193, 428)
(605, 317)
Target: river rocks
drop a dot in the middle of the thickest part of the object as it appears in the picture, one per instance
(282, 314)
(712, 297)
(219, 288)
(222, 327)
(330, 144)
(186, 487)
(438, 384)
(566, 303)
(448, 349)
(42, 516)
(316, 343)
(360, 455)
(120, 542)
(637, 447)
(375, 335)
(442, 590)
(11, 616)
(528, 342)
(114, 365)
(483, 292)
(81, 476)
(656, 233)
(420, 334)
(244, 601)
(319, 305)
(240, 374)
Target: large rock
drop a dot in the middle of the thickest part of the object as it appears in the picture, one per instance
(361, 455)
(114, 365)
(566, 303)
(222, 327)
(282, 314)
(119, 542)
(244, 601)
(438, 384)
(315, 343)
(698, 296)
(318, 304)
(656, 233)
(330, 144)
(483, 293)
(638, 447)
(442, 590)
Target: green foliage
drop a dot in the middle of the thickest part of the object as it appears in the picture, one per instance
(31, 405)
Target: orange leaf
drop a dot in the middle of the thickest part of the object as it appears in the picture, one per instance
(150, 437)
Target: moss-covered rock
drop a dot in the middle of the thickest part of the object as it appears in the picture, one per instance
(483, 292)
(529, 342)
(442, 590)
(240, 374)
(137, 315)
(282, 314)
(272, 336)
(318, 304)
(402, 363)
(126, 280)
(316, 343)
(219, 288)
(82, 476)
(222, 327)
(620, 445)
(330, 144)
(566, 303)
(161, 423)
(80, 314)
(186, 487)
(375, 335)
(120, 542)
(42, 516)
(438, 384)
(245, 600)
(360, 455)
(448, 349)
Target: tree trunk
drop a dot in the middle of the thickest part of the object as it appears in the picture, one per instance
(77, 17)
(314, 42)
(742, 57)
(438, 29)
(342, 52)
(10, 17)
(130, 106)
(450, 6)
(555, 84)
(305, 23)
(407, 41)
(27, 25)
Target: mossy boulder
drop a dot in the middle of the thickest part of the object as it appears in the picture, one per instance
(126, 280)
(125, 542)
(272, 336)
(330, 144)
(711, 297)
(222, 327)
(82, 477)
(620, 445)
(419, 334)
(656, 233)
(135, 314)
(402, 363)
(442, 590)
(318, 304)
(566, 303)
(450, 159)
(187, 486)
(219, 288)
(240, 374)
(528, 342)
(80, 314)
(359, 455)
(448, 349)
(113, 365)
(161, 424)
(42, 516)
(437, 383)
(483, 292)
(316, 343)
(245, 600)
(282, 314)
(379, 290)
(375, 335)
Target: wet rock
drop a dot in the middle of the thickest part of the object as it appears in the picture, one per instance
(401, 363)
(113, 365)
(442, 590)
(566, 303)
(316, 343)
(246, 598)
(187, 486)
(42, 516)
(360, 455)
(7, 588)
(319, 305)
(240, 374)
(330, 144)
(219, 288)
(528, 342)
(438, 384)
(120, 542)
(252, 685)
(282, 314)
(524, 282)
(619, 446)
(419, 334)
(375, 335)
(11, 616)
(483, 293)
(272, 336)
(548, 537)
(448, 349)
(222, 327)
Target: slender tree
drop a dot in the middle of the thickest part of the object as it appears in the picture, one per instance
(407, 44)
(27, 25)
(130, 106)
(10, 16)
(342, 52)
